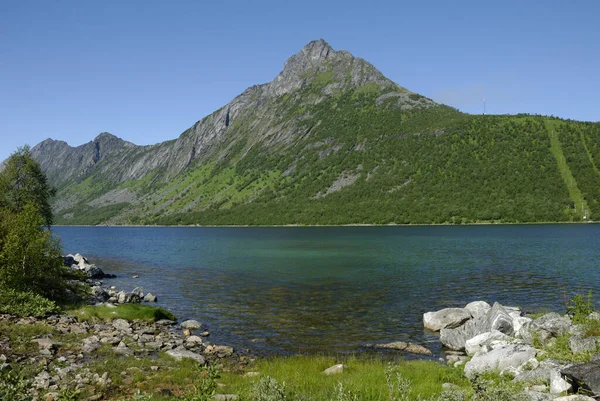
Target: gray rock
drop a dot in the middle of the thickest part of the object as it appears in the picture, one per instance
(46, 343)
(549, 326)
(193, 340)
(455, 339)
(445, 318)
(584, 376)
(153, 345)
(558, 385)
(165, 322)
(508, 356)
(534, 395)
(474, 345)
(582, 344)
(478, 308)
(542, 372)
(594, 316)
(139, 291)
(180, 354)
(335, 369)
(220, 351)
(150, 297)
(191, 325)
(121, 325)
(499, 319)
(575, 397)
(406, 347)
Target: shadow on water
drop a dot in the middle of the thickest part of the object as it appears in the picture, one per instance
(314, 290)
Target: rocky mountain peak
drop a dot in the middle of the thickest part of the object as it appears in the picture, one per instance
(317, 51)
(319, 57)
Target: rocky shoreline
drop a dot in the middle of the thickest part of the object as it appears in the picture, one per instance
(61, 355)
(68, 352)
(496, 338)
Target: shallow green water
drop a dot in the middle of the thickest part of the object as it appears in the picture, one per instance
(336, 289)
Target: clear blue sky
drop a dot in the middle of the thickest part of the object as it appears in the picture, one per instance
(147, 70)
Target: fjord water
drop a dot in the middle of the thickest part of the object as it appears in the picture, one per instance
(337, 289)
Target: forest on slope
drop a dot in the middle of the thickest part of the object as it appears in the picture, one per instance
(332, 141)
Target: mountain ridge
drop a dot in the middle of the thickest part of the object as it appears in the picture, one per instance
(329, 140)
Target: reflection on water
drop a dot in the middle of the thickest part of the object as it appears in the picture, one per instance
(337, 289)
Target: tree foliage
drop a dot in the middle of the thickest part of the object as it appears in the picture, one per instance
(31, 265)
(22, 182)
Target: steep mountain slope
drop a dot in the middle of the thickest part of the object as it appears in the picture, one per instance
(332, 141)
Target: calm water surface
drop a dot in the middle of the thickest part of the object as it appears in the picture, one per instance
(336, 289)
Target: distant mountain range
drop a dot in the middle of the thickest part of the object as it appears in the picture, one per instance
(332, 141)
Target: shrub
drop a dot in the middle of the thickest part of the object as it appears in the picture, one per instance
(268, 389)
(25, 303)
(580, 307)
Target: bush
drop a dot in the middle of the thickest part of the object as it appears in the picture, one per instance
(22, 304)
(268, 389)
(580, 307)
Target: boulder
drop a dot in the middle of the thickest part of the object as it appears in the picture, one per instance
(519, 322)
(193, 340)
(574, 397)
(499, 319)
(191, 325)
(46, 343)
(179, 354)
(580, 344)
(139, 291)
(507, 356)
(68, 260)
(445, 318)
(121, 325)
(221, 351)
(546, 327)
(79, 259)
(535, 395)
(335, 369)
(475, 344)
(455, 339)
(406, 347)
(478, 308)
(128, 298)
(150, 297)
(558, 385)
(543, 371)
(584, 376)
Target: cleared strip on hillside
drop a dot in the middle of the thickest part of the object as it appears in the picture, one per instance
(574, 192)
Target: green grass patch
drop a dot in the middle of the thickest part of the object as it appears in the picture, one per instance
(129, 312)
(365, 378)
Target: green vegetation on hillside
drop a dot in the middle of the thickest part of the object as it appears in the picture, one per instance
(331, 152)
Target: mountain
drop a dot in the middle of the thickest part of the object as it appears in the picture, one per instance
(332, 141)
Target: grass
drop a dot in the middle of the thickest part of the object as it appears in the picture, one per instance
(565, 172)
(365, 378)
(128, 312)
